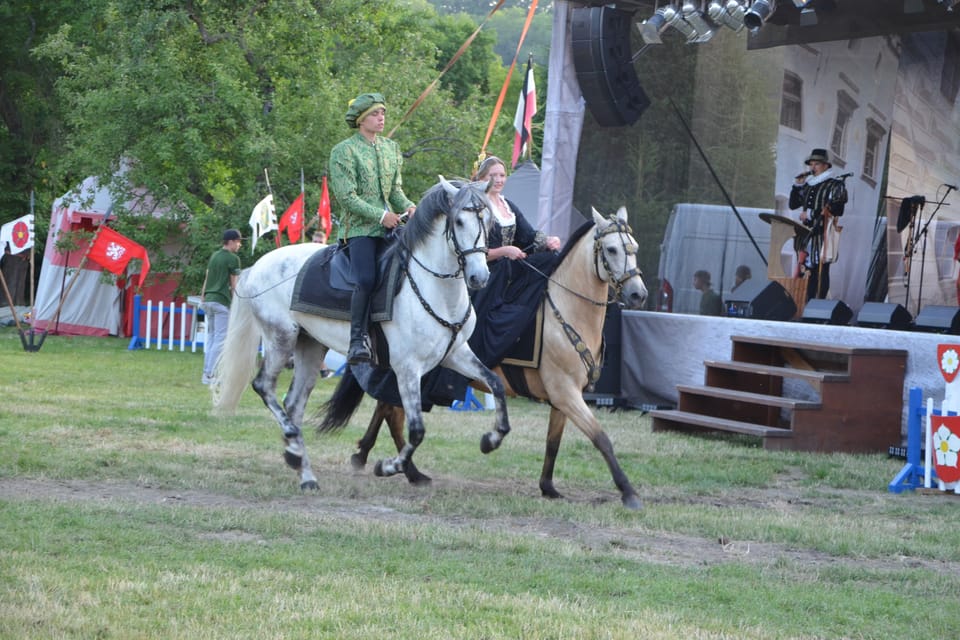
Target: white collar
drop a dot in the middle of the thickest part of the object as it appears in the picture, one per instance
(823, 177)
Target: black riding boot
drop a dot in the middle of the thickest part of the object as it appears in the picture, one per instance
(359, 319)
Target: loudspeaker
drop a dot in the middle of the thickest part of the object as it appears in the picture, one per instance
(609, 381)
(884, 315)
(937, 319)
(826, 312)
(600, 42)
(761, 300)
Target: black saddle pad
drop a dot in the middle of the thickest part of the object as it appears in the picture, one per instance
(322, 287)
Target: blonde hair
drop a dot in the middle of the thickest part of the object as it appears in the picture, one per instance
(485, 167)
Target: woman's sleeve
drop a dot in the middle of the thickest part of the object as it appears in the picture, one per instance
(527, 238)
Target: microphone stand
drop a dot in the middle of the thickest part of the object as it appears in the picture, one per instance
(923, 249)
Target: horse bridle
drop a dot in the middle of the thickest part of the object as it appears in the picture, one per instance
(455, 327)
(619, 227)
(576, 340)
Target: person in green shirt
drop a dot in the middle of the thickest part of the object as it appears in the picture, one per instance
(367, 191)
(223, 270)
(710, 302)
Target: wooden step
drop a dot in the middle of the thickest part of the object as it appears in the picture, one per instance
(811, 375)
(816, 346)
(748, 397)
(674, 419)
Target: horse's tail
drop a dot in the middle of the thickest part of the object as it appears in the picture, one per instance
(337, 411)
(238, 356)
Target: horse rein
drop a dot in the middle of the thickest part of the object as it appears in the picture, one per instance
(454, 327)
(576, 340)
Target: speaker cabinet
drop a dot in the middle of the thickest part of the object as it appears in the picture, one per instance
(600, 42)
(937, 319)
(884, 315)
(818, 311)
(761, 300)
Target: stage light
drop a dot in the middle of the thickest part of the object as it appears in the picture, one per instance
(652, 27)
(729, 14)
(693, 17)
(760, 11)
(950, 4)
(669, 16)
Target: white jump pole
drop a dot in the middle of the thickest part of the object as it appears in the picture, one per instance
(183, 325)
(928, 454)
(146, 338)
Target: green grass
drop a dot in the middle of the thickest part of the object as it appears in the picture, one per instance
(129, 510)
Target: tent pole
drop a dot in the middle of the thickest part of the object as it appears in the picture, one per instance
(13, 309)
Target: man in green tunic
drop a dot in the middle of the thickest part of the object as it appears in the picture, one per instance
(368, 194)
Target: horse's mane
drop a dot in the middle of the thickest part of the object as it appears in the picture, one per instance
(435, 202)
(574, 238)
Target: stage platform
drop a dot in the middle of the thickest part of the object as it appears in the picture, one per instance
(663, 350)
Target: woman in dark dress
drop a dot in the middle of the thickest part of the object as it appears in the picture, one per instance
(519, 257)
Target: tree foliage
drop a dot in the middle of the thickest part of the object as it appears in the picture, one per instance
(192, 100)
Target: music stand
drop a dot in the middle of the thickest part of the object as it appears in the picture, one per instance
(782, 230)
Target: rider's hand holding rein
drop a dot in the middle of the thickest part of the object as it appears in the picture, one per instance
(391, 220)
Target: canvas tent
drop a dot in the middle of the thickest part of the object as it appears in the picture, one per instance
(93, 304)
(523, 189)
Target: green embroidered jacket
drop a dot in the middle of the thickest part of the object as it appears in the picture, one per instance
(364, 181)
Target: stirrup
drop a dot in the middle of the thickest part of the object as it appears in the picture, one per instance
(359, 353)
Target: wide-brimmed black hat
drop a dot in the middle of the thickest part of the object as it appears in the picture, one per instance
(819, 155)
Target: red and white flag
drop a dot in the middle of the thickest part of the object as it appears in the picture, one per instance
(114, 251)
(292, 220)
(18, 234)
(523, 120)
(323, 209)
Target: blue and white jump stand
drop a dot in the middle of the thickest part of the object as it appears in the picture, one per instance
(912, 474)
(469, 402)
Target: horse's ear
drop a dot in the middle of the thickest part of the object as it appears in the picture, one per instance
(449, 188)
(598, 219)
(622, 214)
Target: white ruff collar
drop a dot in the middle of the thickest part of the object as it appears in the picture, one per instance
(823, 177)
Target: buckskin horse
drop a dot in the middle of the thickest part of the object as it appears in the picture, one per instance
(573, 309)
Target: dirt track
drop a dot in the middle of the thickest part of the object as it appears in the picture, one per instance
(648, 546)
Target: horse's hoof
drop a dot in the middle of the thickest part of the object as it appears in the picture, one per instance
(309, 485)
(415, 477)
(631, 502)
(547, 491)
(486, 444)
(358, 462)
(378, 469)
(293, 460)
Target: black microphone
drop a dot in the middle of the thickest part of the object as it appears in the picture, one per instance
(950, 186)
(804, 175)
(846, 175)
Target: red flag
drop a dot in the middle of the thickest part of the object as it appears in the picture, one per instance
(113, 252)
(523, 120)
(292, 220)
(323, 209)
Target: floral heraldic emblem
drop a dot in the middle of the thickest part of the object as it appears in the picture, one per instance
(947, 356)
(115, 251)
(946, 446)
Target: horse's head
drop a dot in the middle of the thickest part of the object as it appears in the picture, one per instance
(615, 258)
(468, 217)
